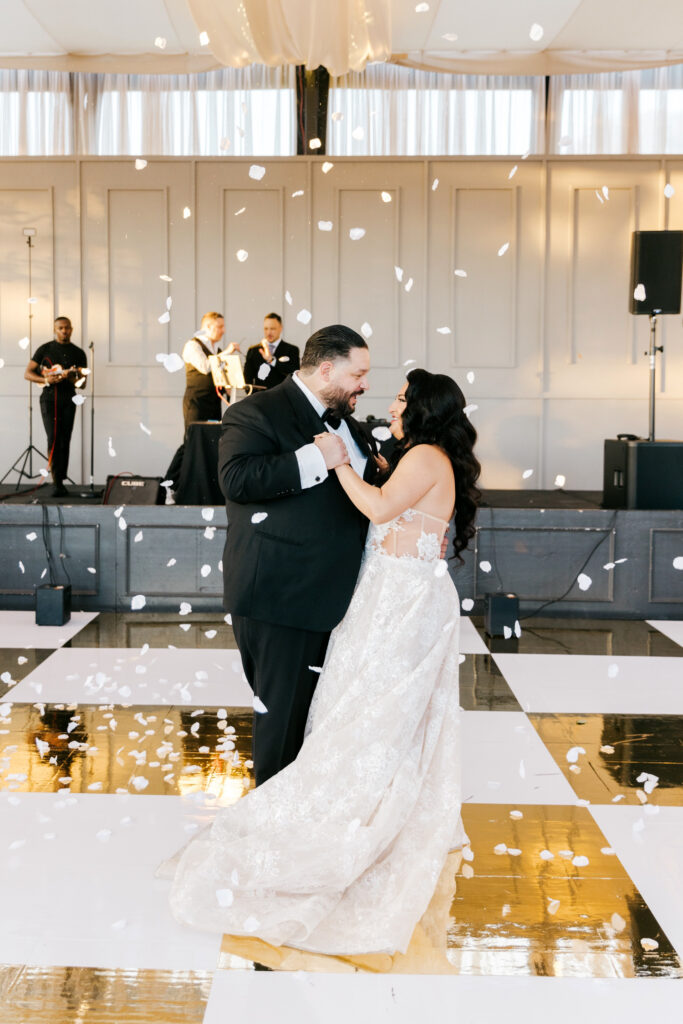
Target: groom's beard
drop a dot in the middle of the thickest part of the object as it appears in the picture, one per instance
(338, 401)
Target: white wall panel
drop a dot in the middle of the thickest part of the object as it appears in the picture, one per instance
(557, 359)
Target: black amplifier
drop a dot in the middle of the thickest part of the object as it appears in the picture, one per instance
(133, 490)
(643, 474)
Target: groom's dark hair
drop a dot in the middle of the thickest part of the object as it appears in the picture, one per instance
(330, 343)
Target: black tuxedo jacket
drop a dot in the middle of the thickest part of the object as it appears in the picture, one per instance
(286, 361)
(298, 566)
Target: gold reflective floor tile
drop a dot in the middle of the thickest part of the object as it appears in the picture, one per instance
(610, 753)
(577, 914)
(17, 662)
(483, 686)
(591, 636)
(70, 995)
(205, 630)
(114, 749)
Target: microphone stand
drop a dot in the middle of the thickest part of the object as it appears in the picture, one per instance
(91, 493)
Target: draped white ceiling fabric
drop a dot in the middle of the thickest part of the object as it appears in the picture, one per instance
(512, 37)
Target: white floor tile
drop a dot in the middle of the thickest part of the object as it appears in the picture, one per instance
(118, 675)
(650, 846)
(18, 629)
(673, 628)
(299, 998)
(505, 761)
(470, 640)
(594, 684)
(66, 891)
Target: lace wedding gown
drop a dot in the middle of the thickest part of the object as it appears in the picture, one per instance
(341, 851)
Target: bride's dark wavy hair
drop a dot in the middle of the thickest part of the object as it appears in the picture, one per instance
(435, 414)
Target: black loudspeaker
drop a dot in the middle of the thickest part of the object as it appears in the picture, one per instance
(133, 490)
(657, 265)
(501, 616)
(53, 605)
(643, 474)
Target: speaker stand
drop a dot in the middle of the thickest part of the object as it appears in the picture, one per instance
(652, 354)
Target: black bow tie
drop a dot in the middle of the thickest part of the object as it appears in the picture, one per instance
(330, 417)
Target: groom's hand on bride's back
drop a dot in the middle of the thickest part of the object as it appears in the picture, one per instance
(333, 449)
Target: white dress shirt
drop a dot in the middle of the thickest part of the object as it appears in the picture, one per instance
(194, 354)
(312, 468)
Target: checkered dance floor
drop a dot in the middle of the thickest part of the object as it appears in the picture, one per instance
(112, 753)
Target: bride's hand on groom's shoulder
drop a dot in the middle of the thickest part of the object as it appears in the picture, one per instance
(333, 449)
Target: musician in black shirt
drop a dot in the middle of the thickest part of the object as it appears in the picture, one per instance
(56, 366)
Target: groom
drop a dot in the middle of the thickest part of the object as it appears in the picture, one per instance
(294, 540)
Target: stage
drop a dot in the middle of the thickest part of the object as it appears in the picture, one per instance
(535, 544)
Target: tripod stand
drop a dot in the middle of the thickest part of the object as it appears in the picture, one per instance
(25, 458)
(652, 353)
(90, 492)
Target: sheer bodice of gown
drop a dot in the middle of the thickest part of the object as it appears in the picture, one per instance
(341, 851)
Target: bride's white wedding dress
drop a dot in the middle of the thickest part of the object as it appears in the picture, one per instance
(341, 851)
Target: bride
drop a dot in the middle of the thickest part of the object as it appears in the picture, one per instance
(341, 851)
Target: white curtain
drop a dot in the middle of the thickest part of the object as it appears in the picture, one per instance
(619, 112)
(35, 113)
(391, 110)
(232, 112)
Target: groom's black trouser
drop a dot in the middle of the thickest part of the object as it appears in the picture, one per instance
(276, 662)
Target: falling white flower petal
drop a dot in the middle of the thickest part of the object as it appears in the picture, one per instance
(435, 184)
(258, 517)
(605, 191)
(242, 255)
(263, 371)
(669, 190)
(24, 343)
(205, 570)
(187, 212)
(513, 171)
(366, 330)
(165, 277)
(164, 318)
(450, 37)
(337, 116)
(504, 248)
(140, 165)
(203, 38)
(409, 284)
(386, 197)
(639, 293)
(256, 171)
(259, 706)
(546, 855)
(314, 143)
(536, 32)
(527, 473)
(137, 602)
(443, 330)
(399, 273)
(459, 272)
(299, 192)
(78, 399)
(358, 133)
(185, 608)
(421, 8)
(617, 922)
(560, 480)
(485, 566)
(467, 604)
(381, 433)
(110, 447)
(325, 225)
(469, 409)
(678, 562)
(355, 234)
(327, 167)
(304, 316)
(160, 43)
(584, 581)
(138, 537)
(649, 944)
(553, 906)
(470, 377)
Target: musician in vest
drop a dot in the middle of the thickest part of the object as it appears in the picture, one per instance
(201, 401)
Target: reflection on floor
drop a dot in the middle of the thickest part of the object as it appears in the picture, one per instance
(557, 889)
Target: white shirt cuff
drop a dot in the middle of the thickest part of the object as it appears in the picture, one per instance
(312, 468)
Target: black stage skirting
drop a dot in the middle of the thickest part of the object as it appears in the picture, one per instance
(198, 484)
